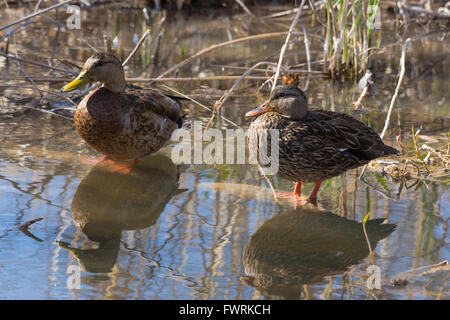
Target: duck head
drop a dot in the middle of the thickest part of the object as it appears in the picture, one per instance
(289, 101)
(101, 67)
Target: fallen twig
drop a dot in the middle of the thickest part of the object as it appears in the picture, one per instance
(36, 14)
(47, 111)
(244, 7)
(420, 37)
(444, 157)
(221, 45)
(140, 80)
(419, 10)
(402, 278)
(198, 103)
(265, 70)
(292, 11)
(40, 91)
(24, 228)
(69, 63)
(27, 224)
(36, 63)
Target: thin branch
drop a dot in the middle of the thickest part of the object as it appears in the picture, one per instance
(212, 78)
(265, 70)
(420, 37)
(308, 56)
(394, 97)
(222, 100)
(34, 87)
(138, 45)
(363, 85)
(156, 42)
(221, 45)
(47, 111)
(283, 48)
(292, 11)
(140, 80)
(36, 14)
(399, 83)
(36, 63)
(90, 45)
(198, 103)
(361, 96)
(244, 7)
(416, 10)
(413, 273)
(27, 224)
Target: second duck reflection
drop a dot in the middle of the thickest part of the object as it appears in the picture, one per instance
(290, 249)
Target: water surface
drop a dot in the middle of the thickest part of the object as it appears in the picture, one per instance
(169, 231)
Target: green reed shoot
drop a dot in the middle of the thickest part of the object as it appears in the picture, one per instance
(350, 28)
(366, 217)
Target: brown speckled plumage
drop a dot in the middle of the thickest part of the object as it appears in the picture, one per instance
(315, 145)
(124, 123)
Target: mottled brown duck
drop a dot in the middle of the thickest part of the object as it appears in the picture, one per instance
(119, 120)
(314, 145)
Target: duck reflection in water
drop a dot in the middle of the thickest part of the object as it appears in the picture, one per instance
(302, 246)
(106, 203)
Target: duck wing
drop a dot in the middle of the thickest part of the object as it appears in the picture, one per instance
(348, 134)
(150, 100)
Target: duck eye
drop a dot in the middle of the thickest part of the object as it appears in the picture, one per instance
(278, 96)
(100, 63)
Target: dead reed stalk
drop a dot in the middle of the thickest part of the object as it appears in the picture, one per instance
(221, 45)
(283, 48)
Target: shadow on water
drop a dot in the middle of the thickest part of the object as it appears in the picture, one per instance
(302, 246)
(106, 203)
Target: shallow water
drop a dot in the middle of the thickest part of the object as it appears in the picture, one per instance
(213, 231)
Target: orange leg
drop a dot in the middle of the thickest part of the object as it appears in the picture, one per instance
(98, 161)
(288, 195)
(113, 166)
(124, 169)
(297, 197)
(313, 195)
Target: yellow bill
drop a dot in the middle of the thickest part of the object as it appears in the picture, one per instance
(79, 82)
